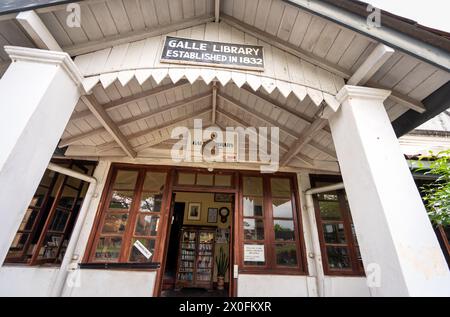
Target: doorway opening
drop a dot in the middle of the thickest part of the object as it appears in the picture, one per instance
(200, 244)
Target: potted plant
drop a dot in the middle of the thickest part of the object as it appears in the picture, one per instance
(222, 267)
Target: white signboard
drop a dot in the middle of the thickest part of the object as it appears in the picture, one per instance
(145, 252)
(197, 52)
(254, 253)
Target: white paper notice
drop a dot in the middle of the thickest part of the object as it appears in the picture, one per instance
(253, 253)
(145, 252)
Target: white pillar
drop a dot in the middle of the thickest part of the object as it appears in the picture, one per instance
(38, 93)
(393, 229)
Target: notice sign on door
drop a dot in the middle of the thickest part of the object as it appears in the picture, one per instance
(196, 52)
(253, 253)
(145, 252)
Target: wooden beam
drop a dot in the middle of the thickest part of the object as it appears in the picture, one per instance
(217, 11)
(214, 102)
(272, 122)
(306, 119)
(143, 116)
(275, 103)
(108, 124)
(133, 98)
(259, 116)
(133, 36)
(315, 60)
(285, 46)
(37, 31)
(79, 137)
(304, 139)
(283, 146)
(404, 100)
(323, 149)
(371, 65)
(164, 125)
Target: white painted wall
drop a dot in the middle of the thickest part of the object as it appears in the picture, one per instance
(110, 283)
(340, 286)
(26, 281)
(258, 285)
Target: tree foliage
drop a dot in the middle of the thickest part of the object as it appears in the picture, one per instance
(437, 194)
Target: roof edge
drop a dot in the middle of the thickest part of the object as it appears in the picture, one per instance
(393, 34)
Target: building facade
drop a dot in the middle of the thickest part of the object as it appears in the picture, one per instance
(248, 148)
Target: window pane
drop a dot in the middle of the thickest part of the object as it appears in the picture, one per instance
(338, 258)
(74, 182)
(151, 202)
(121, 200)
(282, 208)
(253, 229)
(68, 197)
(147, 225)
(47, 178)
(108, 249)
(253, 207)
(49, 249)
(115, 223)
(18, 244)
(330, 210)
(154, 181)
(125, 180)
(334, 233)
(447, 233)
(59, 220)
(284, 230)
(39, 196)
(253, 186)
(28, 221)
(205, 179)
(222, 180)
(186, 178)
(137, 256)
(281, 187)
(286, 254)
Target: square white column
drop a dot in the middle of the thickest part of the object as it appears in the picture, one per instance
(400, 252)
(38, 94)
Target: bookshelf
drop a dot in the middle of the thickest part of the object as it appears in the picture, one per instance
(196, 258)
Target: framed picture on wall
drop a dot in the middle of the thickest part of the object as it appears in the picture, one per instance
(194, 211)
(212, 215)
(223, 198)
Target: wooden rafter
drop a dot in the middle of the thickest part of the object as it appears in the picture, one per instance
(108, 124)
(315, 60)
(214, 101)
(282, 145)
(274, 123)
(304, 139)
(285, 46)
(159, 127)
(371, 65)
(306, 119)
(399, 98)
(133, 36)
(133, 98)
(143, 116)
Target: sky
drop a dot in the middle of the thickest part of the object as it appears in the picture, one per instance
(431, 13)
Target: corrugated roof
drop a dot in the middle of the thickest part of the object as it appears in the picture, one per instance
(440, 123)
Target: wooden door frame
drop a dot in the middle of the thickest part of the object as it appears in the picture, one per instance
(232, 289)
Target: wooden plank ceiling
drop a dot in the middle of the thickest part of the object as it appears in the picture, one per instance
(145, 113)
